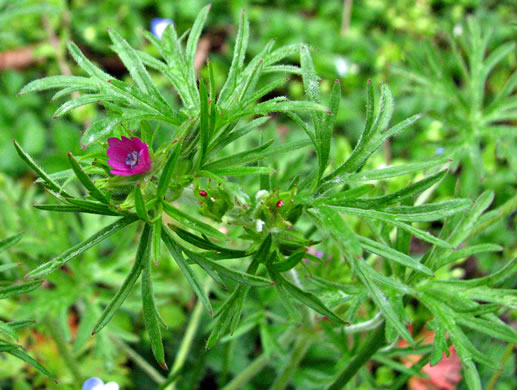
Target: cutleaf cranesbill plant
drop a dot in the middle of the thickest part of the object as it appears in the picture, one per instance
(227, 212)
(476, 114)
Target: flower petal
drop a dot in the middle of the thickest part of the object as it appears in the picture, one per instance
(111, 386)
(158, 26)
(122, 172)
(93, 384)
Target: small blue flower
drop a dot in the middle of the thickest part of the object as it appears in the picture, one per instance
(98, 384)
(158, 26)
(439, 150)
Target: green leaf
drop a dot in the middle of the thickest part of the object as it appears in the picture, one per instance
(278, 104)
(87, 206)
(124, 290)
(204, 243)
(335, 225)
(471, 218)
(190, 50)
(175, 251)
(140, 207)
(242, 171)
(150, 312)
(304, 297)
(7, 330)
(18, 289)
(394, 255)
(39, 171)
(84, 100)
(10, 241)
(495, 57)
(255, 154)
(291, 262)
(225, 139)
(191, 222)
(379, 297)
(446, 317)
(265, 90)
(229, 313)
(86, 64)
(239, 52)
(493, 329)
(429, 212)
(156, 240)
(238, 158)
(311, 80)
(467, 252)
(54, 82)
(168, 170)
(240, 277)
(76, 250)
(21, 324)
(27, 359)
(373, 138)
(370, 105)
(6, 347)
(350, 199)
(391, 219)
(135, 66)
(323, 124)
(204, 128)
(85, 180)
(247, 85)
(7, 267)
(325, 130)
(385, 173)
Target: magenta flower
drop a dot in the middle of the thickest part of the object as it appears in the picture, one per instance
(128, 157)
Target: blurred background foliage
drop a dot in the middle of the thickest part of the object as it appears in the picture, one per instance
(407, 43)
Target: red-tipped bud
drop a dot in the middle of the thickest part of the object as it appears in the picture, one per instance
(280, 203)
(203, 193)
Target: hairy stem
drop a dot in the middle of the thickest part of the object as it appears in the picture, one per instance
(373, 344)
(365, 325)
(253, 369)
(301, 347)
(256, 366)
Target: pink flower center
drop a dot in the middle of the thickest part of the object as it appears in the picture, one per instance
(132, 159)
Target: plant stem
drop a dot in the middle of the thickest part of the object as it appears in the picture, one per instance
(347, 13)
(497, 374)
(252, 370)
(301, 347)
(57, 334)
(139, 361)
(365, 325)
(186, 343)
(373, 344)
(256, 366)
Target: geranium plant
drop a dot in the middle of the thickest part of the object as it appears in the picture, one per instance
(212, 192)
